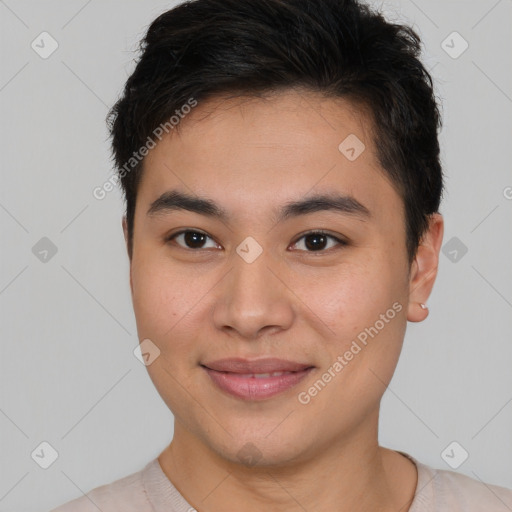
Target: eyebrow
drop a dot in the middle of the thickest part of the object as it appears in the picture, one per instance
(174, 200)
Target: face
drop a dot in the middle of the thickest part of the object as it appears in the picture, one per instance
(261, 282)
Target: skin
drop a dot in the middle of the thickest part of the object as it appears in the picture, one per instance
(252, 155)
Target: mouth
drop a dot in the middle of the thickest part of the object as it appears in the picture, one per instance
(256, 379)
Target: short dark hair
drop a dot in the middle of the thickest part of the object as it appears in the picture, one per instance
(339, 48)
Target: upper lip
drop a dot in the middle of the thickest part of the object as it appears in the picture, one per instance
(246, 366)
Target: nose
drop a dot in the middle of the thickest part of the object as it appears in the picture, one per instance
(253, 300)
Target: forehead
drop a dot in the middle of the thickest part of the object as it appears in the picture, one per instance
(254, 151)
(293, 119)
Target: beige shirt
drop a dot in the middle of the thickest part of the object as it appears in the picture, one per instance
(149, 490)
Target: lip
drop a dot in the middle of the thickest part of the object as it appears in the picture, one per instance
(235, 376)
(266, 365)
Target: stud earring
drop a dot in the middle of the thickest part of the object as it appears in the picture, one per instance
(422, 306)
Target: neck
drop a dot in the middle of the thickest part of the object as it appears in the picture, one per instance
(349, 475)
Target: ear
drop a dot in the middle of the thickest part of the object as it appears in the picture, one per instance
(424, 269)
(125, 232)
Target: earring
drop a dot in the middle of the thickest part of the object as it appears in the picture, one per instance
(422, 306)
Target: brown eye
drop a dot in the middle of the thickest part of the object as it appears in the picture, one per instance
(316, 241)
(191, 239)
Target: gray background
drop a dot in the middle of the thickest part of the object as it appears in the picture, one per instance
(69, 376)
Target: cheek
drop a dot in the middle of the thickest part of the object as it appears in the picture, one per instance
(161, 297)
(352, 296)
(366, 313)
(365, 308)
(163, 302)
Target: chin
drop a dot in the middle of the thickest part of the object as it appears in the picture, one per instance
(257, 448)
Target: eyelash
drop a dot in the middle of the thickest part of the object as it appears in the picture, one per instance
(340, 242)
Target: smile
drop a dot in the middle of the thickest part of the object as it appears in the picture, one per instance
(256, 380)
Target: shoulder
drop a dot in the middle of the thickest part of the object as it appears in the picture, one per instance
(441, 490)
(470, 493)
(127, 494)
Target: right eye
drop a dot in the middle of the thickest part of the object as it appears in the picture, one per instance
(190, 239)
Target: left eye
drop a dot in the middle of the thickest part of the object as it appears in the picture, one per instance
(314, 241)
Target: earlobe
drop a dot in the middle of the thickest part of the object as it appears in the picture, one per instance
(417, 312)
(424, 269)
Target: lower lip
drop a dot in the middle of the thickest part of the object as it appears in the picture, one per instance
(253, 388)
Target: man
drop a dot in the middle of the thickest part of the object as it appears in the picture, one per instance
(280, 164)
